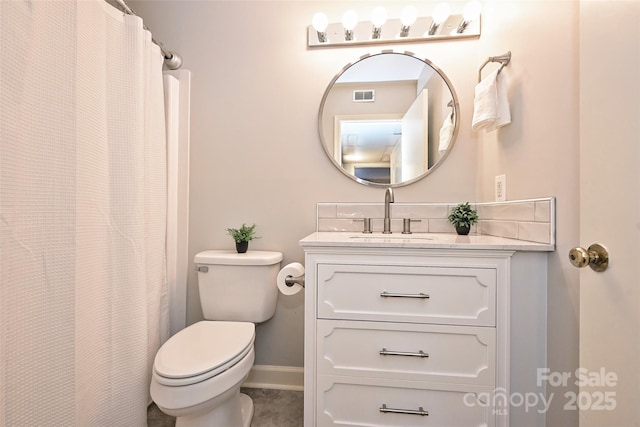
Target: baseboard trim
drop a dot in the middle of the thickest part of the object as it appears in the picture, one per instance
(275, 377)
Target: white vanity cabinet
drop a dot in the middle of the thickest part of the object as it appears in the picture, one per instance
(411, 336)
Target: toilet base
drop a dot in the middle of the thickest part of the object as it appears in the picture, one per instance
(237, 411)
(246, 405)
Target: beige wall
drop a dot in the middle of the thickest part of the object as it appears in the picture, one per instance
(538, 152)
(256, 154)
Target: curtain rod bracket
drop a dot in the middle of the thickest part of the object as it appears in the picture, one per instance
(173, 61)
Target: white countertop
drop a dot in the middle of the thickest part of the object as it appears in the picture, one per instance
(420, 241)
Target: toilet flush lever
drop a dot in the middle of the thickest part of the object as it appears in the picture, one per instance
(202, 269)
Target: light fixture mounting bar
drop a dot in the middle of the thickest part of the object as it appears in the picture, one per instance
(390, 32)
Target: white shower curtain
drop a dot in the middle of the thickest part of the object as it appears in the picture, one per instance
(82, 214)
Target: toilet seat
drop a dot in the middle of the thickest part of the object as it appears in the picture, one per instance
(202, 351)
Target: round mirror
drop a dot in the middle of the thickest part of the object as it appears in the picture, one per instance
(389, 119)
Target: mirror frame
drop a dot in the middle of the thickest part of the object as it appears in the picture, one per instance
(456, 125)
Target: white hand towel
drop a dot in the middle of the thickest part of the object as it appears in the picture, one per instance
(491, 103)
(446, 133)
(503, 114)
(485, 102)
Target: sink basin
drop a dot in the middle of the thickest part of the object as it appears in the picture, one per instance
(392, 237)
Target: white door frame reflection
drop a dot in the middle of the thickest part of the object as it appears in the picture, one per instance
(364, 144)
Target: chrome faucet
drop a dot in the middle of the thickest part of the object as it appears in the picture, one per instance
(388, 199)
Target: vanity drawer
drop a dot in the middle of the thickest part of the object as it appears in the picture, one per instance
(440, 353)
(446, 295)
(364, 402)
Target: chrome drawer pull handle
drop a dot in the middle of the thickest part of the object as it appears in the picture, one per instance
(420, 411)
(420, 353)
(385, 294)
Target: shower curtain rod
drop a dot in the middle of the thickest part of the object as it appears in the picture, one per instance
(172, 60)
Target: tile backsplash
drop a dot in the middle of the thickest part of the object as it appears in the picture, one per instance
(531, 220)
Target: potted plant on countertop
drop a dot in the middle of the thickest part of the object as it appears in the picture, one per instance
(463, 216)
(242, 236)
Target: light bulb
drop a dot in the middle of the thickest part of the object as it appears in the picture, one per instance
(379, 16)
(472, 10)
(349, 20)
(409, 15)
(441, 13)
(320, 22)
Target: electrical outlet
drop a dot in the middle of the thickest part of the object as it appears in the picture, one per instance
(501, 188)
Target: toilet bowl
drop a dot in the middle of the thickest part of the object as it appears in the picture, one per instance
(198, 372)
(201, 369)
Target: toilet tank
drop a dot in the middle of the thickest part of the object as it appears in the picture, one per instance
(238, 287)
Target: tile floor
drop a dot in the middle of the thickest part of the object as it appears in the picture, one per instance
(273, 408)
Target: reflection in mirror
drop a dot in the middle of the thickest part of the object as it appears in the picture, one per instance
(389, 119)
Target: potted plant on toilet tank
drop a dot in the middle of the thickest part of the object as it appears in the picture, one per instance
(242, 236)
(463, 216)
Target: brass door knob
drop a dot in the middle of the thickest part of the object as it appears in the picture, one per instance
(596, 257)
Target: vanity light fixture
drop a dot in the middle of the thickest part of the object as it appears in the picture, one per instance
(409, 27)
(471, 12)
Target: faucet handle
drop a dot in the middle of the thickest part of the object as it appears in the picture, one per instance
(367, 225)
(406, 225)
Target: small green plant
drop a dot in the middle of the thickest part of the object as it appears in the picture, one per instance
(243, 234)
(463, 215)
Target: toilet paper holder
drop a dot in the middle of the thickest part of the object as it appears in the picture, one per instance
(297, 280)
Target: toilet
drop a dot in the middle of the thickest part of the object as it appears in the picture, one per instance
(198, 372)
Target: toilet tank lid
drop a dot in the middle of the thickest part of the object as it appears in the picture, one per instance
(231, 257)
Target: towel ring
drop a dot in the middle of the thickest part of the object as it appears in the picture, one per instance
(502, 59)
